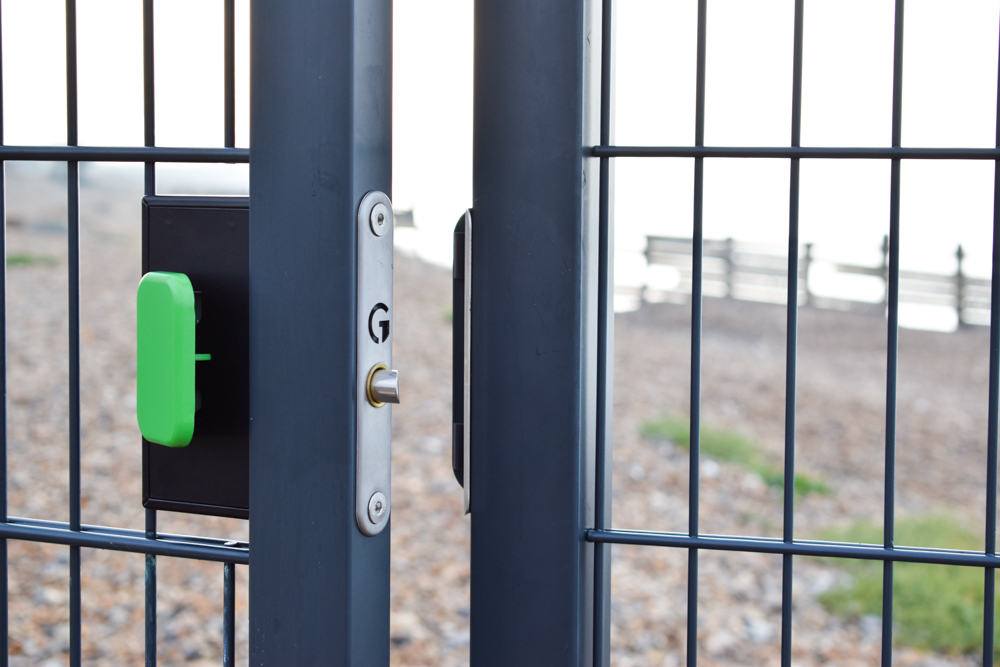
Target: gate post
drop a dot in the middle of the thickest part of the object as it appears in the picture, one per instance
(320, 135)
(534, 326)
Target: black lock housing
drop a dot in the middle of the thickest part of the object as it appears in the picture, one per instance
(208, 239)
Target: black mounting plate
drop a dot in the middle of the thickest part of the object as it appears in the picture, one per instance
(207, 238)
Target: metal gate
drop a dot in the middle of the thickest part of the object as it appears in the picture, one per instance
(543, 335)
(77, 534)
(319, 588)
(788, 546)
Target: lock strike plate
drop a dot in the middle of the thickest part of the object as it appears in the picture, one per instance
(461, 429)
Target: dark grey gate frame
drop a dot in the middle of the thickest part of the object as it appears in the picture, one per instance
(541, 440)
(76, 534)
(321, 131)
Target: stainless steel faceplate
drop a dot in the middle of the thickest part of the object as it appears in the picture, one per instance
(373, 502)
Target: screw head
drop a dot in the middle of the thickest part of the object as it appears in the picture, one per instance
(378, 507)
(380, 219)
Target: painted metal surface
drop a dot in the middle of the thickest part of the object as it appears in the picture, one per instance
(534, 321)
(320, 128)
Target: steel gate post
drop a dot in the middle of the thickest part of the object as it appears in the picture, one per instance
(534, 327)
(320, 131)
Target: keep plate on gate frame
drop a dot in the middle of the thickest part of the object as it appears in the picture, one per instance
(461, 379)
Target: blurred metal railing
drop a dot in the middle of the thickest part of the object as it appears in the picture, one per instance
(757, 273)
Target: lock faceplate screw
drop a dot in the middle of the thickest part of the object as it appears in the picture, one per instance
(378, 507)
(381, 218)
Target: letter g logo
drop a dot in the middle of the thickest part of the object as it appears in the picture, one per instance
(383, 324)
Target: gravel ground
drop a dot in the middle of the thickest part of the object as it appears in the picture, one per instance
(840, 435)
(840, 431)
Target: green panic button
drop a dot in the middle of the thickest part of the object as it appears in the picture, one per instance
(165, 321)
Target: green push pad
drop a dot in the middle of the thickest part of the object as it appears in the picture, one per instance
(165, 392)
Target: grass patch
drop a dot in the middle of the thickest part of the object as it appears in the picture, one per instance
(936, 607)
(732, 448)
(24, 259)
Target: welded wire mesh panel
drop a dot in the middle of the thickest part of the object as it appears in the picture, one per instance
(702, 258)
(75, 534)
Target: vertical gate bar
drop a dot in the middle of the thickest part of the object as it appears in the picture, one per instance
(892, 346)
(229, 47)
(71, 100)
(4, 626)
(536, 197)
(791, 343)
(697, 247)
(73, 177)
(229, 615)
(605, 350)
(989, 600)
(989, 597)
(148, 93)
(319, 588)
(150, 605)
(73, 252)
(229, 569)
(149, 188)
(989, 616)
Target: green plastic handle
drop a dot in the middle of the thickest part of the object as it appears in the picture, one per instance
(165, 391)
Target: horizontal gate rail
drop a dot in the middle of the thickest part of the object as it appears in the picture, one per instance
(819, 549)
(873, 153)
(123, 539)
(123, 154)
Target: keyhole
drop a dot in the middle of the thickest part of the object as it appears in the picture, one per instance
(378, 508)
